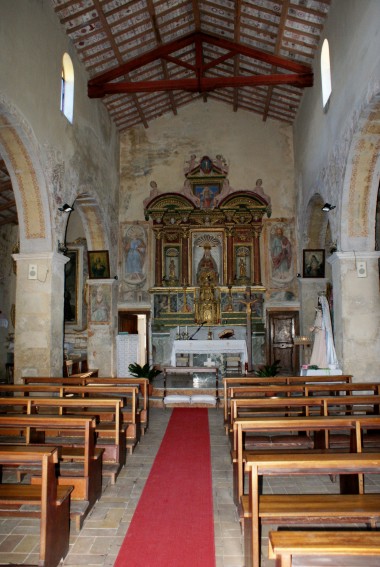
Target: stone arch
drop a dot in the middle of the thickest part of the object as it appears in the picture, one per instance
(317, 229)
(315, 224)
(361, 182)
(19, 149)
(93, 221)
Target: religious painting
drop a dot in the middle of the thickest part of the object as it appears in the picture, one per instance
(134, 254)
(207, 258)
(280, 259)
(206, 194)
(98, 264)
(314, 263)
(100, 304)
(281, 252)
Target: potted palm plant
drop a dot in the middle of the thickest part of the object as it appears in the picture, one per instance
(145, 371)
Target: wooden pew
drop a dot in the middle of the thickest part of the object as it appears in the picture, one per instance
(306, 508)
(307, 389)
(130, 415)
(103, 387)
(320, 426)
(236, 381)
(53, 501)
(111, 434)
(86, 477)
(327, 548)
(141, 383)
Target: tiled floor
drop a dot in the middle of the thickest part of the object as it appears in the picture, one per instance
(103, 532)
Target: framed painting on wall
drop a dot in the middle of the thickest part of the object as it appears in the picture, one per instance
(98, 264)
(314, 263)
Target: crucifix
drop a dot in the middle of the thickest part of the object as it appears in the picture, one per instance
(248, 302)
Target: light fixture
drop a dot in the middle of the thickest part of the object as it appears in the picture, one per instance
(327, 207)
(62, 247)
(66, 208)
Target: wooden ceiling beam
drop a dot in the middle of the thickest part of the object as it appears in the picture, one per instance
(198, 38)
(7, 205)
(9, 220)
(201, 84)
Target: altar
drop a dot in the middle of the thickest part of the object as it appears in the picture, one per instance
(209, 347)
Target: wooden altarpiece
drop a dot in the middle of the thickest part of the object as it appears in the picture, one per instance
(207, 248)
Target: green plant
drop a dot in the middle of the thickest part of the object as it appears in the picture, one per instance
(146, 371)
(269, 369)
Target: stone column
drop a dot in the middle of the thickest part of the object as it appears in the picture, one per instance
(356, 312)
(102, 326)
(39, 314)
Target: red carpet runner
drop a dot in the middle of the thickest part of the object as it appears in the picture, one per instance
(173, 523)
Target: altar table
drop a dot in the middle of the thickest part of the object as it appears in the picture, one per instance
(221, 346)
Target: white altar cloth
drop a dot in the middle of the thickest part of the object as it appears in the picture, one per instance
(210, 347)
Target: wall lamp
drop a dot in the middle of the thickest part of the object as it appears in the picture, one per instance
(66, 208)
(62, 248)
(327, 207)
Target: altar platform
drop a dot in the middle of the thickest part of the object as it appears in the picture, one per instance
(189, 384)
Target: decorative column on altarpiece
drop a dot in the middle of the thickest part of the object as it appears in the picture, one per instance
(230, 256)
(256, 255)
(158, 258)
(185, 257)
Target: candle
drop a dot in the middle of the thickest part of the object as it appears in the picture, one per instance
(186, 329)
(178, 329)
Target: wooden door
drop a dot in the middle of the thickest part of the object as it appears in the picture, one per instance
(282, 327)
(128, 323)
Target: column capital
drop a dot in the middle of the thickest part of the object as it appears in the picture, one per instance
(353, 255)
(40, 256)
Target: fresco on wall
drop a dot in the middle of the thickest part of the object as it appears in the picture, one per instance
(134, 254)
(280, 258)
(100, 310)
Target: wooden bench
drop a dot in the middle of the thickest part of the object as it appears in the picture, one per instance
(130, 414)
(48, 502)
(132, 417)
(85, 477)
(302, 509)
(327, 548)
(193, 370)
(282, 390)
(320, 426)
(141, 383)
(110, 431)
(231, 381)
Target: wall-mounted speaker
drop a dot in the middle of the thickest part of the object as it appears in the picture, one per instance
(361, 269)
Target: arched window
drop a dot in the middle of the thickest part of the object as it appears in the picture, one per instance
(325, 73)
(67, 87)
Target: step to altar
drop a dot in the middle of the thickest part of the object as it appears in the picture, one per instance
(184, 391)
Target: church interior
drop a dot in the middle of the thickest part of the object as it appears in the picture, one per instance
(189, 185)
